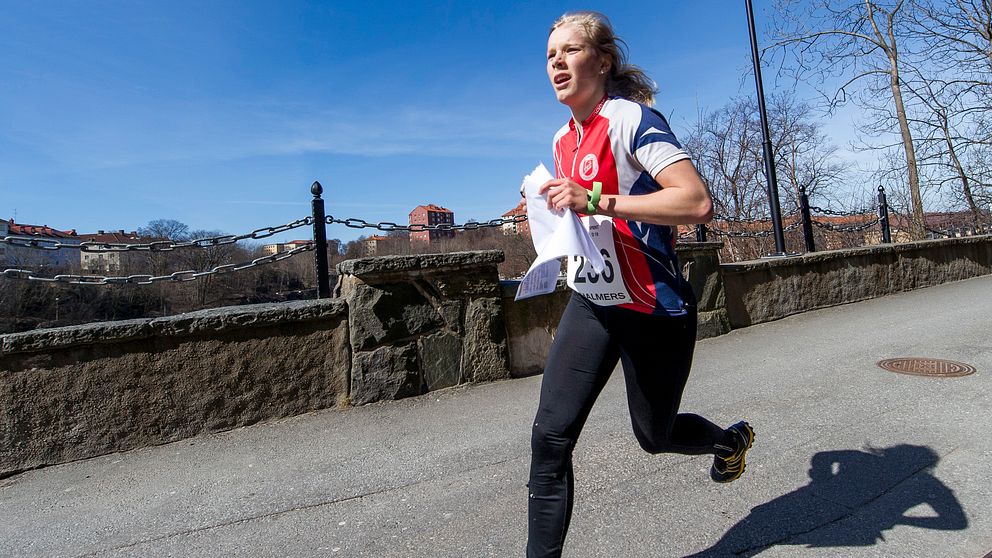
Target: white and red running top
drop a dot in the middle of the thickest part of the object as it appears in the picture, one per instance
(624, 145)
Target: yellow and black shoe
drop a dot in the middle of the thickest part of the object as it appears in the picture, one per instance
(728, 461)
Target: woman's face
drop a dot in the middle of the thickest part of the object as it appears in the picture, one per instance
(576, 70)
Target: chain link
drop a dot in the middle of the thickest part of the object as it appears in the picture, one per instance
(950, 232)
(846, 228)
(749, 234)
(176, 277)
(388, 226)
(156, 246)
(727, 219)
(855, 213)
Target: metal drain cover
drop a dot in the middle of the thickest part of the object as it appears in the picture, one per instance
(927, 367)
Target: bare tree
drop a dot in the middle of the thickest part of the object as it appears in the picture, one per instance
(861, 42)
(166, 229)
(805, 160)
(726, 147)
(954, 91)
(945, 137)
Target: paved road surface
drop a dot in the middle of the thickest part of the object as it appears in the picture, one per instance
(850, 460)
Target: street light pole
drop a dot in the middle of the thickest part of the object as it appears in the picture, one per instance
(766, 144)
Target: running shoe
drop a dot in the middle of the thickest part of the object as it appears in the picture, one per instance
(728, 461)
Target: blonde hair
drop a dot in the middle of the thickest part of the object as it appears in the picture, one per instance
(625, 80)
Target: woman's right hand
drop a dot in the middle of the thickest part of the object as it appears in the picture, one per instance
(565, 193)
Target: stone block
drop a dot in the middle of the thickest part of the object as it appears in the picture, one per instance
(712, 324)
(703, 275)
(530, 326)
(391, 268)
(486, 354)
(451, 313)
(385, 373)
(385, 313)
(80, 400)
(472, 283)
(441, 360)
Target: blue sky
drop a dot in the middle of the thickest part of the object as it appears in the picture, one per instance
(221, 114)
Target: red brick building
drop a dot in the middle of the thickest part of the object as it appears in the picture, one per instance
(431, 214)
(520, 227)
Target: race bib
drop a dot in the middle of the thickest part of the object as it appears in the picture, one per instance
(606, 288)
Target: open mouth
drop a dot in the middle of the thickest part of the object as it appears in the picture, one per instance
(561, 78)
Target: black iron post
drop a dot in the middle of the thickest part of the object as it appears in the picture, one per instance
(700, 233)
(766, 144)
(807, 220)
(883, 215)
(320, 241)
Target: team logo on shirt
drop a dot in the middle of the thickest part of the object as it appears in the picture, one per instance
(589, 167)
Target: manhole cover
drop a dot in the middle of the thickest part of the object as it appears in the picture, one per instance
(927, 367)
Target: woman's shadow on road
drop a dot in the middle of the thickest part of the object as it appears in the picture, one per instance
(853, 497)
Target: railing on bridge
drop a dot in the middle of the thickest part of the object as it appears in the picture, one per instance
(728, 228)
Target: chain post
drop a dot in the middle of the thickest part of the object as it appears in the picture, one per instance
(807, 220)
(700, 233)
(883, 215)
(320, 241)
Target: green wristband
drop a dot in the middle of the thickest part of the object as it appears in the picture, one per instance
(597, 190)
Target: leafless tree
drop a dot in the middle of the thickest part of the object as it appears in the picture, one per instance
(946, 138)
(953, 85)
(864, 43)
(726, 147)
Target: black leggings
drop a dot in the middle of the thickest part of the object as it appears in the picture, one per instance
(656, 352)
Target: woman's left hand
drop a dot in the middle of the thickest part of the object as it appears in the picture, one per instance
(565, 193)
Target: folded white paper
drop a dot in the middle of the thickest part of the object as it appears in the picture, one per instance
(555, 234)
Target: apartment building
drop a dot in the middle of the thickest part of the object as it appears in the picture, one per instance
(520, 227)
(100, 261)
(33, 258)
(431, 215)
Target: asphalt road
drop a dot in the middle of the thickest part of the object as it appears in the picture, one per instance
(850, 460)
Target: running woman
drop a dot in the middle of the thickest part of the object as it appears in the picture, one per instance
(618, 164)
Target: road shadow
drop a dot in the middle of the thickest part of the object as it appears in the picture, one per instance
(853, 497)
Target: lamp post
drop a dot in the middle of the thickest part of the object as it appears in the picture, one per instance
(766, 144)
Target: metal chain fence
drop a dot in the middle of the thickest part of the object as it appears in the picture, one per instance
(832, 213)
(177, 277)
(42, 243)
(846, 228)
(157, 246)
(751, 234)
(388, 226)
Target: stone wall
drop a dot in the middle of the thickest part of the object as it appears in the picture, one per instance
(77, 392)
(420, 323)
(531, 323)
(403, 325)
(763, 290)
